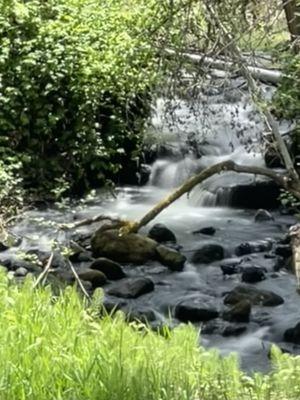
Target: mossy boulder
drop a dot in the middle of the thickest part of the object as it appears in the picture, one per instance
(129, 248)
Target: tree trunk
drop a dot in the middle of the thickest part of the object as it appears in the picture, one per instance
(292, 17)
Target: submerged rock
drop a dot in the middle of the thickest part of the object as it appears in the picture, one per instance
(263, 216)
(233, 330)
(161, 234)
(171, 258)
(132, 288)
(111, 269)
(130, 248)
(240, 312)
(208, 253)
(253, 275)
(209, 231)
(293, 334)
(254, 296)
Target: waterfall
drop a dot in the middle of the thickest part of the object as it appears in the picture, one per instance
(211, 129)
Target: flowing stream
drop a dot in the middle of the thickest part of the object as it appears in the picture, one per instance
(222, 125)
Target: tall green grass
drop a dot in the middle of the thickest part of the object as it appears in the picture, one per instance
(58, 348)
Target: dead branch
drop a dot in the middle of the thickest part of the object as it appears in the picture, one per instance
(45, 271)
(78, 279)
(88, 221)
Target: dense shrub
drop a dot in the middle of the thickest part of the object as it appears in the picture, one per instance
(73, 76)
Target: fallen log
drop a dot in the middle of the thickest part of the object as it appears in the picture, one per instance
(262, 74)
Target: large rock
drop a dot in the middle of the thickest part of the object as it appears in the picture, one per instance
(254, 296)
(111, 269)
(208, 253)
(240, 312)
(171, 258)
(132, 288)
(96, 278)
(161, 234)
(293, 334)
(263, 194)
(194, 310)
(253, 274)
(253, 247)
(131, 248)
(284, 250)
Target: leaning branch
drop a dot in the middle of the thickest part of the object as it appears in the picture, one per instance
(282, 181)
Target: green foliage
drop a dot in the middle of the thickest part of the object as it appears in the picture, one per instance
(11, 194)
(73, 79)
(287, 100)
(58, 348)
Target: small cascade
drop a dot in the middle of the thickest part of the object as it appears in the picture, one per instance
(211, 130)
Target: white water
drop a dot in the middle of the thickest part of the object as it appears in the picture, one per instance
(217, 129)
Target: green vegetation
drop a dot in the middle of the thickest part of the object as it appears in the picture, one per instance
(74, 79)
(58, 348)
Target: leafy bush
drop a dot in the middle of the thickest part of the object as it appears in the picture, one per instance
(11, 193)
(74, 75)
(58, 348)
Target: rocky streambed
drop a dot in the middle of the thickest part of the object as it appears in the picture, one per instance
(215, 262)
(224, 270)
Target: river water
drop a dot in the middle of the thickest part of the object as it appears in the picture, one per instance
(221, 125)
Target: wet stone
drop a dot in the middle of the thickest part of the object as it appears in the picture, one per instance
(208, 253)
(111, 269)
(143, 314)
(293, 334)
(161, 234)
(253, 247)
(284, 250)
(253, 275)
(209, 231)
(21, 272)
(195, 310)
(254, 296)
(263, 216)
(132, 288)
(96, 278)
(233, 330)
(240, 312)
(111, 306)
(81, 256)
(171, 258)
(231, 267)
